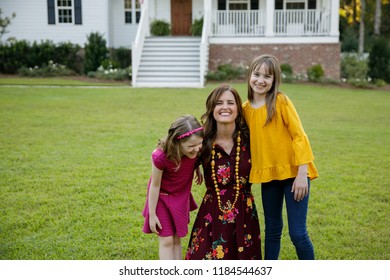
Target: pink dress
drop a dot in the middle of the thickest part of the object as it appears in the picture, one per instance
(175, 200)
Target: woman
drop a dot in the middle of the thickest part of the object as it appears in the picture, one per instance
(227, 226)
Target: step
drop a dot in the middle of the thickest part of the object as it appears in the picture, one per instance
(170, 62)
(168, 79)
(169, 84)
(193, 68)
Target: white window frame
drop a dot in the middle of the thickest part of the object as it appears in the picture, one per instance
(60, 8)
(247, 2)
(133, 10)
(295, 1)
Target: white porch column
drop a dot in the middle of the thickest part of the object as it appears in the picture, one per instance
(207, 8)
(334, 18)
(145, 7)
(270, 13)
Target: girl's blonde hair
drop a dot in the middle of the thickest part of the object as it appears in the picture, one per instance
(272, 67)
(179, 131)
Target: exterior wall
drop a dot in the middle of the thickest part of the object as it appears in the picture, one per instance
(160, 10)
(121, 34)
(31, 22)
(197, 9)
(299, 56)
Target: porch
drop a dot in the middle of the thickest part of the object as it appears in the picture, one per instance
(265, 25)
(285, 23)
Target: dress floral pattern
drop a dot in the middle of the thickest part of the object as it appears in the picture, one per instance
(233, 235)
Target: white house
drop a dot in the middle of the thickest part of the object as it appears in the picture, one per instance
(299, 32)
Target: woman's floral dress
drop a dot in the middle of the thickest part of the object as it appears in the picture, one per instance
(230, 236)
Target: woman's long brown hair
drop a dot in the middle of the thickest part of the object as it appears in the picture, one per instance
(210, 124)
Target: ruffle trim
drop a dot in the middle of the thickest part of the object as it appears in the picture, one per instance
(279, 173)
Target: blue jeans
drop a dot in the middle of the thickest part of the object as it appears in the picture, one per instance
(273, 194)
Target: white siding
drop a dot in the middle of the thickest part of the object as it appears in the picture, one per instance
(160, 9)
(121, 34)
(31, 21)
(197, 9)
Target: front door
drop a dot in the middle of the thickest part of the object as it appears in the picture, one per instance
(181, 17)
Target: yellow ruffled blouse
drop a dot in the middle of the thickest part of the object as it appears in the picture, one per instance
(278, 148)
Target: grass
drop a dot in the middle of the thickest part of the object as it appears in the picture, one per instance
(74, 164)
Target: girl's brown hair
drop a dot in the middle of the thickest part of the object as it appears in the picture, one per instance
(210, 124)
(272, 67)
(171, 143)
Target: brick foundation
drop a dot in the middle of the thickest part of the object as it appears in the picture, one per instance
(299, 56)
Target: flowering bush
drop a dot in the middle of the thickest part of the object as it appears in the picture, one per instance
(111, 73)
(49, 70)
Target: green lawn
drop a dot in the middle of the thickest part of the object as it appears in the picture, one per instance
(75, 161)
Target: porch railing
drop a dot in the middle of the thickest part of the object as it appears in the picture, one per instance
(302, 22)
(286, 23)
(238, 23)
(138, 44)
(204, 47)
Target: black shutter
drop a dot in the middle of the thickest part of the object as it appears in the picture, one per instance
(77, 12)
(254, 4)
(51, 12)
(312, 4)
(278, 4)
(221, 5)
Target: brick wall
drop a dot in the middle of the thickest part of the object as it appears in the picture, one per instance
(299, 56)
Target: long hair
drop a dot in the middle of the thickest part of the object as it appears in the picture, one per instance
(171, 144)
(272, 67)
(210, 124)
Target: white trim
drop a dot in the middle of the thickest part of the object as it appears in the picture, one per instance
(64, 8)
(274, 40)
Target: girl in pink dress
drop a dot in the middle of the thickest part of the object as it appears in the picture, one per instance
(169, 199)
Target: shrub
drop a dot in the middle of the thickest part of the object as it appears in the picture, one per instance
(349, 41)
(354, 68)
(121, 57)
(95, 52)
(160, 28)
(197, 26)
(315, 73)
(17, 54)
(14, 55)
(68, 54)
(50, 70)
(109, 72)
(379, 60)
(226, 72)
(287, 73)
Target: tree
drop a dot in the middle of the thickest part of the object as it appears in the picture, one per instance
(4, 22)
(362, 26)
(378, 14)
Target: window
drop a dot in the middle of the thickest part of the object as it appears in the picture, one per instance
(132, 11)
(64, 8)
(295, 5)
(238, 5)
(64, 11)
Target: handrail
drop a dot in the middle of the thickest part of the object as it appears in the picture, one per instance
(138, 44)
(204, 46)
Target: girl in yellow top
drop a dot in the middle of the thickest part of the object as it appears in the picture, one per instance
(282, 159)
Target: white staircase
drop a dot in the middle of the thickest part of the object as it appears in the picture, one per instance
(169, 62)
